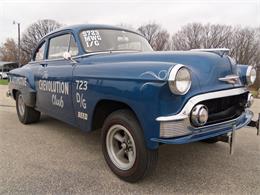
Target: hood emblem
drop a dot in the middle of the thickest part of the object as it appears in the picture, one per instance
(232, 79)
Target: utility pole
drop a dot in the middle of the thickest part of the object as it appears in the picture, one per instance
(19, 42)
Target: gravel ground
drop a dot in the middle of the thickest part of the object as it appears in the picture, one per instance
(51, 157)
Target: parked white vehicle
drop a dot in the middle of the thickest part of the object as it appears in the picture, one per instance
(3, 75)
(5, 67)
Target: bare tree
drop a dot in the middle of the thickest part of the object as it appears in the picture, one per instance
(34, 33)
(196, 35)
(9, 51)
(244, 43)
(156, 36)
(245, 46)
(188, 37)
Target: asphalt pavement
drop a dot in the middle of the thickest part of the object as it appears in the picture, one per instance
(51, 157)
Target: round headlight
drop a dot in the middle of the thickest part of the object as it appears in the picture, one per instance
(180, 80)
(250, 75)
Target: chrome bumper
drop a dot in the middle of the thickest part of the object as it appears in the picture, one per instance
(209, 131)
(179, 124)
(8, 93)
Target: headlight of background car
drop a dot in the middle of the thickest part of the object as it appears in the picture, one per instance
(250, 75)
(179, 80)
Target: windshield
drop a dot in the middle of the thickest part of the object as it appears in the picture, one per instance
(112, 40)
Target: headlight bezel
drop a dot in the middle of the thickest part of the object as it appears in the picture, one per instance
(172, 80)
(249, 75)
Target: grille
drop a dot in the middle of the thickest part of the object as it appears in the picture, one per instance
(174, 128)
(226, 108)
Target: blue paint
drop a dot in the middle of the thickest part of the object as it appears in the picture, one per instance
(138, 79)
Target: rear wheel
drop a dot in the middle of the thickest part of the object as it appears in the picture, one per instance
(25, 113)
(124, 147)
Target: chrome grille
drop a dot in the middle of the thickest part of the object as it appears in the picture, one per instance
(225, 108)
(174, 128)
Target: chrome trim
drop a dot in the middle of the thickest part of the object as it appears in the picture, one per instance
(232, 79)
(80, 56)
(184, 113)
(8, 93)
(248, 75)
(213, 130)
(104, 52)
(219, 51)
(222, 123)
(174, 128)
(196, 114)
(250, 100)
(172, 78)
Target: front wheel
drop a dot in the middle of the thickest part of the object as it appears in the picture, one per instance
(25, 113)
(124, 147)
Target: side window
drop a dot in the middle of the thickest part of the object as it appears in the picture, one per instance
(39, 55)
(60, 44)
(73, 49)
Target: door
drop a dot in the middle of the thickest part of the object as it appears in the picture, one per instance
(54, 81)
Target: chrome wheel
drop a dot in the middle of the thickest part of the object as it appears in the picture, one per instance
(121, 147)
(21, 105)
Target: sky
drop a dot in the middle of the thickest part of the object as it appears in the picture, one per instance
(171, 14)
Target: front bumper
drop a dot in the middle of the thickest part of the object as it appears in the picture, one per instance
(176, 129)
(210, 131)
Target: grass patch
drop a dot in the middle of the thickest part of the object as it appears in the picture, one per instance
(254, 93)
(3, 81)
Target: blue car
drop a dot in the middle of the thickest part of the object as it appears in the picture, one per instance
(109, 78)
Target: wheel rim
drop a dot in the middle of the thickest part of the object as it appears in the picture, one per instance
(21, 105)
(121, 147)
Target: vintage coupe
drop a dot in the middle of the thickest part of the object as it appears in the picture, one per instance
(99, 76)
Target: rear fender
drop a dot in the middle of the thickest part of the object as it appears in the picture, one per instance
(23, 81)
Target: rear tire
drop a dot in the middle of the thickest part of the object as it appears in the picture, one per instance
(25, 113)
(124, 147)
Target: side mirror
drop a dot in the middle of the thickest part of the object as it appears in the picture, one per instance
(67, 56)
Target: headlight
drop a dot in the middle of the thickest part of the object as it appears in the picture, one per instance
(179, 79)
(250, 75)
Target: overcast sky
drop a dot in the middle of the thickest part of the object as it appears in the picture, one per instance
(172, 14)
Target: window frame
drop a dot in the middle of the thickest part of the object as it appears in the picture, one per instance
(85, 29)
(37, 48)
(58, 35)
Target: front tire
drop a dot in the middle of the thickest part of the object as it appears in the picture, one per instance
(25, 113)
(124, 147)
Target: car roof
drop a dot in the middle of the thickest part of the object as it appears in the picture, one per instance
(80, 27)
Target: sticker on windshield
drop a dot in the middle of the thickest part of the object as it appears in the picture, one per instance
(92, 38)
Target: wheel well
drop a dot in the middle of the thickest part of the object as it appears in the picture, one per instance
(14, 93)
(103, 109)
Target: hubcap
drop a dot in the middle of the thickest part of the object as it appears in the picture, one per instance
(21, 105)
(121, 147)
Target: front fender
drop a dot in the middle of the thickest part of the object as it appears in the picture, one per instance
(138, 87)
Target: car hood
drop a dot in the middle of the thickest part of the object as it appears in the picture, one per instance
(206, 67)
